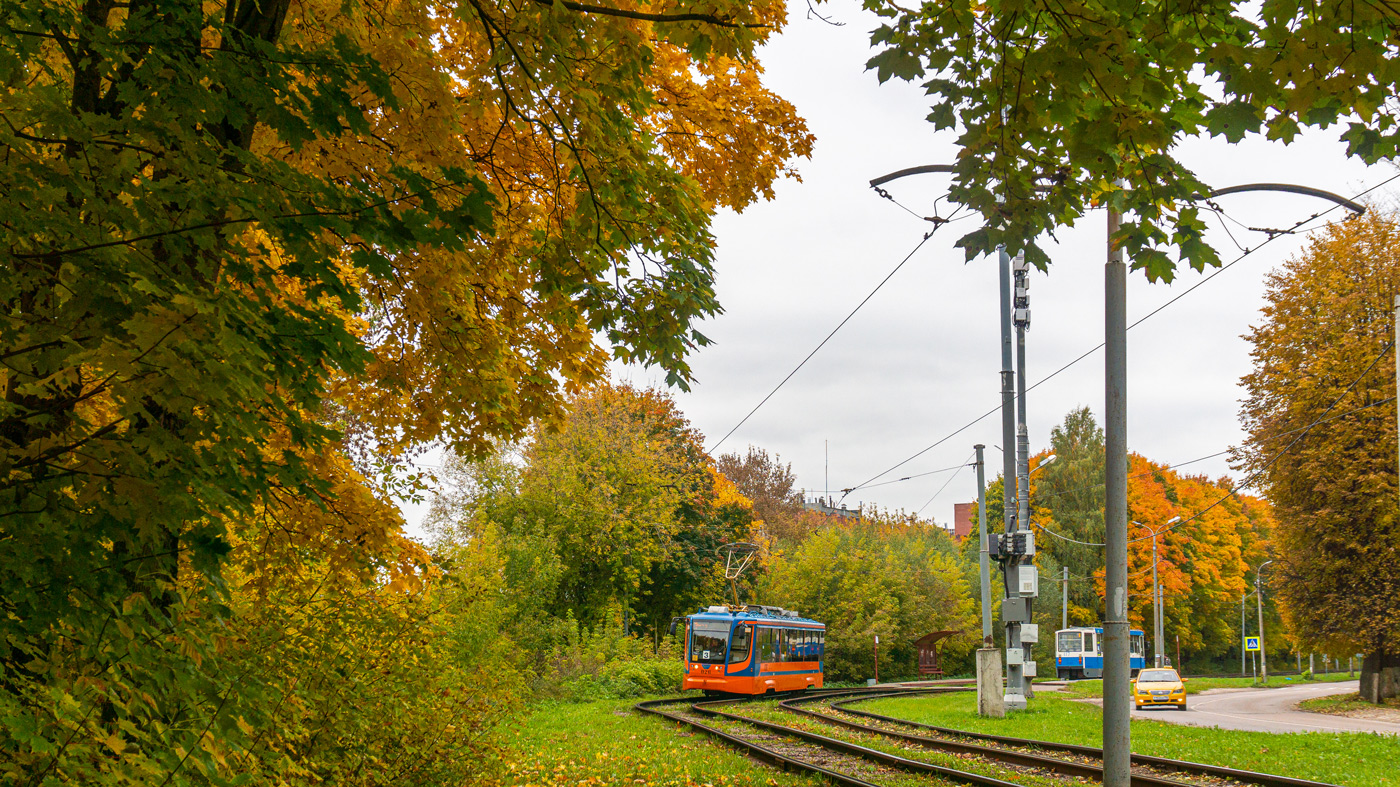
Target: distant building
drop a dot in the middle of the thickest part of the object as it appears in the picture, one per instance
(823, 505)
(962, 520)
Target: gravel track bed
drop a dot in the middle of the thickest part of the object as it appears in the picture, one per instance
(812, 753)
(1011, 772)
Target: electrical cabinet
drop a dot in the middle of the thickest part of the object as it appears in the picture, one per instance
(1028, 581)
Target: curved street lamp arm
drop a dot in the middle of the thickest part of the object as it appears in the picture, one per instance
(1291, 188)
(926, 168)
(1355, 207)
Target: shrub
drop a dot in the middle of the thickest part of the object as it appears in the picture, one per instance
(602, 664)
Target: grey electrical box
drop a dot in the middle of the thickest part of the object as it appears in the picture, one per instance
(1015, 656)
(1028, 669)
(1030, 632)
(1015, 610)
(1028, 581)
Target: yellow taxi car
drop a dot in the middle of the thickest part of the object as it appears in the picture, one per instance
(1159, 686)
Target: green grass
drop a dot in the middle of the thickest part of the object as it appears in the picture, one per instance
(1352, 759)
(1094, 688)
(1341, 703)
(609, 743)
(771, 713)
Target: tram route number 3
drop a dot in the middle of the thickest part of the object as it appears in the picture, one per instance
(1251, 643)
(706, 654)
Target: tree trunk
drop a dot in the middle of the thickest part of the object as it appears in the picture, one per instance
(1380, 676)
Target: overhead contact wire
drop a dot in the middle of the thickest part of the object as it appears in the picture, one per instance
(1139, 321)
(814, 351)
(1248, 482)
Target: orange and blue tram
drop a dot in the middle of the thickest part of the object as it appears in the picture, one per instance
(752, 650)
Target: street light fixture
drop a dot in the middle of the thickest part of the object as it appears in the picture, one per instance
(1259, 600)
(1157, 655)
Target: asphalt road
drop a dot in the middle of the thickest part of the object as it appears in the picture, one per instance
(1267, 710)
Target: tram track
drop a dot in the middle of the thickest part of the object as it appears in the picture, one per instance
(1158, 764)
(811, 744)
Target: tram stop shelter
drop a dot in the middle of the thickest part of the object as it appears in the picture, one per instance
(928, 646)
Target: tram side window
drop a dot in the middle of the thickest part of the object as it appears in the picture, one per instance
(786, 654)
(1088, 642)
(767, 644)
(821, 644)
(739, 649)
(1136, 641)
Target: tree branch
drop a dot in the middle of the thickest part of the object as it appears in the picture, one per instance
(649, 17)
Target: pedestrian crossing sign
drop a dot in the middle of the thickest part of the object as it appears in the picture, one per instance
(1251, 643)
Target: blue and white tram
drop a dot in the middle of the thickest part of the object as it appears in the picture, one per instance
(1079, 652)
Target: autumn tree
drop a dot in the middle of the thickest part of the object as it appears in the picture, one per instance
(1324, 361)
(256, 253)
(1059, 107)
(764, 479)
(618, 506)
(1205, 561)
(895, 580)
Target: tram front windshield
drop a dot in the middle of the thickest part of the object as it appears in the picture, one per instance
(1071, 642)
(708, 639)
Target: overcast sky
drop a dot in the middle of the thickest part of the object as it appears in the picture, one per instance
(922, 358)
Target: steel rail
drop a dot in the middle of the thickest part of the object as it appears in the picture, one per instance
(1025, 759)
(748, 747)
(1219, 771)
(864, 752)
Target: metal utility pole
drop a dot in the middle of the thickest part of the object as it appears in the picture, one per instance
(984, 566)
(1026, 579)
(877, 658)
(1064, 598)
(1158, 657)
(1243, 668)
(1156, 609)
(1014, 609)
(1259, 598)
(1117, 736)
(989, 690)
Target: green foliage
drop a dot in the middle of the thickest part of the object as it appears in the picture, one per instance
(256, 253)
(605, 664)
(896, 581)
(1062, 107)
(602, 525)
(616, 508)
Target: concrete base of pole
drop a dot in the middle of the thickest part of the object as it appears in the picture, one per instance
(989, 701)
